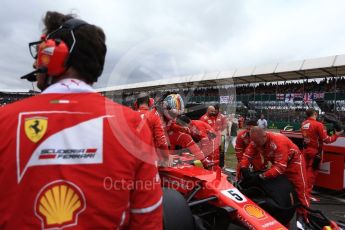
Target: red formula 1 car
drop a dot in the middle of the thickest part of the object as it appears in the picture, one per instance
(196, 198)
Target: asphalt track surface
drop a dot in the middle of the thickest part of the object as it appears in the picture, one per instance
(332, 203)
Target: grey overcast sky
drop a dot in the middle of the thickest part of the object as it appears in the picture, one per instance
(155, 39)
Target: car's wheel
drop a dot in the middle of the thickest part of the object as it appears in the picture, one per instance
(176, 212)
(281, 205)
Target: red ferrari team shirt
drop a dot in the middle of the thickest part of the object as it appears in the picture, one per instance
(285, 158)
(218, 123)
(242, 142)
(155, 123)
(200, 129)
(69, 158)
(315, 134)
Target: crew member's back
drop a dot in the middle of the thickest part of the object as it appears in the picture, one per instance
(80, 169)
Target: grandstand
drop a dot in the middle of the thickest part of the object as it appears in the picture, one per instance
(281, 91)
(10, 96)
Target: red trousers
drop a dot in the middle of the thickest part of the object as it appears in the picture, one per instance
(296, 173)
(309, 156)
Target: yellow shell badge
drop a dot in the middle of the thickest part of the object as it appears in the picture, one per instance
(254, 211)
(35, 128)
(58, 204)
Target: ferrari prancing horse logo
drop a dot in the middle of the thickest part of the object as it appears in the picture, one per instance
(35, 128)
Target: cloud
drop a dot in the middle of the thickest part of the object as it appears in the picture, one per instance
(179, 37)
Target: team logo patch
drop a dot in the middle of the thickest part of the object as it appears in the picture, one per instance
(273, 146)
(254, 211)
(65, 143)
(306, 126)
(58, 204)
(35, 128)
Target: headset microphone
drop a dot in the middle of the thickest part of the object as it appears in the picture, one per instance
(32, 76)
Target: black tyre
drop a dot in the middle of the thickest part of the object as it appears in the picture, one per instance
(176, 212)
(281, 198)
(277, 196)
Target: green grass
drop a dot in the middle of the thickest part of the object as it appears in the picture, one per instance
(230, 158)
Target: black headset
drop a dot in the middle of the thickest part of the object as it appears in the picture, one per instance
(53, 54)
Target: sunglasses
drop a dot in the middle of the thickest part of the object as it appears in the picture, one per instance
(33, 47)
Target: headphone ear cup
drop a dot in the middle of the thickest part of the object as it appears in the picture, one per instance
(52, 54)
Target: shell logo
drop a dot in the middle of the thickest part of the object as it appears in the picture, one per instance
(327, 228)
(254, 211)
(58, 204)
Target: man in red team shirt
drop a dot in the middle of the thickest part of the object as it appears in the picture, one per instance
(218, 122)
(201, 132)
(285, 158)
(240, 122)
(171, 107)
(149, 114)
(242, 142)
(70, 158)
(314, 135)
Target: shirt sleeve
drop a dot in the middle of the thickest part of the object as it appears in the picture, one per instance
(279, 163)
(250, 151)
(240, 147)
(186, 141)
(146, 199)
(160, 137)
(321, 129)
(145, 204)
(224, 123)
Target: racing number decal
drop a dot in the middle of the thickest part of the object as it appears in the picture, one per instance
(234, 195)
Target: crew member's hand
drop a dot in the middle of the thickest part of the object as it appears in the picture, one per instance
(166, 162)
(208, 163)
(302, 218)
(162, 163)
(339, 133)
(316, 161)
(251, 176)
(245, 173)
